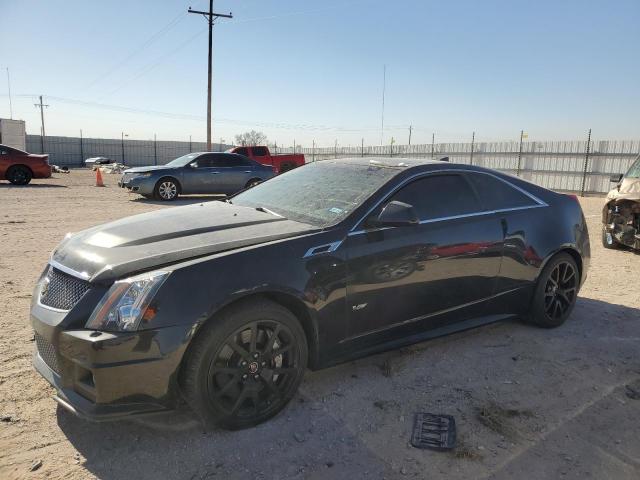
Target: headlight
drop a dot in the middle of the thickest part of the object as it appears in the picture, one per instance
(127, 303)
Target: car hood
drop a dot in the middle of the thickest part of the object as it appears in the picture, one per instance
(156, 239)
(147, 169)
(629, 189)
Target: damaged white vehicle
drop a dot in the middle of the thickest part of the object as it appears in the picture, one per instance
(621, 213)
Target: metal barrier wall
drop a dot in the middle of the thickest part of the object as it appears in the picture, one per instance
(559, 165)
(73, 151)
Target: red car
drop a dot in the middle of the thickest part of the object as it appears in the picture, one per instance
(20, 167)
(261, 154)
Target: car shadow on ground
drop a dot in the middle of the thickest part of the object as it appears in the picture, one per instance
(182, 200)
(331, 427)
(32, 185)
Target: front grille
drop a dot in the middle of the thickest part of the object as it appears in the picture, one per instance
(61, 290)
(47, 352)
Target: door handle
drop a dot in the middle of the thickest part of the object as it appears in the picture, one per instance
(214, 173)
(247, 171)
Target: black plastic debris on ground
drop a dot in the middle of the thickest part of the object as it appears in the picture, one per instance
(437, 432)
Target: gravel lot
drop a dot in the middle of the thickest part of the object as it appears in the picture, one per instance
(529, 403)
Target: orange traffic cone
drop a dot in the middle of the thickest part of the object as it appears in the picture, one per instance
(99, 182)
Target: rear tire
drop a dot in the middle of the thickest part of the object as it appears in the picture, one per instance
(245, 365)
(167, 189)
(556, 292)
(19, 175)
(608, 241)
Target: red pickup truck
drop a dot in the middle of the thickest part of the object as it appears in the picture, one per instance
(280, 163)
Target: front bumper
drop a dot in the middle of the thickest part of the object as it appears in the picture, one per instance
(107, 375)
(141, 185)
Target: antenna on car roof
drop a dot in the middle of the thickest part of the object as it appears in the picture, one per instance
(444, 159)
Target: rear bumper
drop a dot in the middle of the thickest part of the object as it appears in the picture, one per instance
(107, 375)
(42, 172)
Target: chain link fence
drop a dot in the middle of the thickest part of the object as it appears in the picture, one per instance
(558, 165)
(73, 151)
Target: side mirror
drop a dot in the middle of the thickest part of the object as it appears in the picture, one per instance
(616, 178)
(395, 214)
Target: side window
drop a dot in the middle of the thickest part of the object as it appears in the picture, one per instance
(229, 160)
(438, 196)
(260, 151)
(242, 151)
(496, 194)
(204, 161)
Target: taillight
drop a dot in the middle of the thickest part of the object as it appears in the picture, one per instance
(573, 195)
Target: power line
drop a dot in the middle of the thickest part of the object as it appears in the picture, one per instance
(172, 23)
(220, 120)
(211, 17)
(153, 65)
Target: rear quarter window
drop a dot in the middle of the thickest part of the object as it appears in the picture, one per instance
(496, 194)
(260, 152)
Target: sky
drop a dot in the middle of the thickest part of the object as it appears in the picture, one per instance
(309, 72)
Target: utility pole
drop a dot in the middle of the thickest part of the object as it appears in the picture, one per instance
(81, 150)
(189, 143)
(211, 18)
(473, 139)
(155, 149)
(41, 107)
(122, 144)
(362, 147)
(410, 128)
(433, 144)
(9, 87)
(586, 164)
(520, 153)
(384, 86)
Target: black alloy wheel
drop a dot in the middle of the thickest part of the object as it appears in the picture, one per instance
(19, 175)
(246, 366)
(556, 292)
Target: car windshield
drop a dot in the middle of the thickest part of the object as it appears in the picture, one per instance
(320, 194)
(634, 171)
(183, 160)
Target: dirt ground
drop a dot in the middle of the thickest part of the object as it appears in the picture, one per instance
(529, 403)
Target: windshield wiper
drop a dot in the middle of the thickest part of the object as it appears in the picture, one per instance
(266, 210)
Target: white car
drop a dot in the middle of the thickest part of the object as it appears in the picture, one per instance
(90, 162)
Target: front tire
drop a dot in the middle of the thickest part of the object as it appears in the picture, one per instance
(166, 190)
(556, 292)
(19, 175)
(245, 366)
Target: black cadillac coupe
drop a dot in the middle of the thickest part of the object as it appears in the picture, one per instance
(226, 304)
